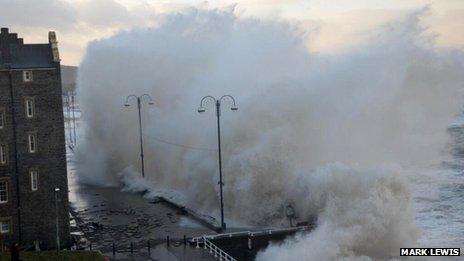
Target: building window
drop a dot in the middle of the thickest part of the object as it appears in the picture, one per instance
(30, 107)
(3, 154)
(32, 143)
(27, 76)
(34, 180)
(3, 191)
(2, 118)
(5, 226)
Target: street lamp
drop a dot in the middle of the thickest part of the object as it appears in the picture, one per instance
(139, 102)
(218, 116)
(57, 190)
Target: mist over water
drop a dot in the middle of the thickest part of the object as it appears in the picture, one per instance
(338, 136)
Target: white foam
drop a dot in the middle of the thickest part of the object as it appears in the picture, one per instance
(378, 109)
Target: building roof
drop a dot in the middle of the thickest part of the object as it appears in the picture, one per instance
(15, 54)
(31, 56)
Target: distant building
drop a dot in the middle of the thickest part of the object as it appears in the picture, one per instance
(32, 144)
(68, 78)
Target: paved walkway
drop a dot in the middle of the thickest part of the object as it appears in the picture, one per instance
(107, 217)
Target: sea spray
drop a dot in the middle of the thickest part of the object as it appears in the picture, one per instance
(131, 181)
(361, 214)
(376, 109)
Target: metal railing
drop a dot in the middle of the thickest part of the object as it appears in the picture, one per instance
(213, 249)
(254, 233)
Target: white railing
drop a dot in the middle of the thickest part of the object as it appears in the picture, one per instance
(223, 256)
(254, 233)
(213, 249)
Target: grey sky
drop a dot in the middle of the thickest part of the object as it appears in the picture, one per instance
(340, 23)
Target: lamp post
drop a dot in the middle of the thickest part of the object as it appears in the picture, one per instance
(218, 116)
(57, 190)
(139, 103)
(74, 117)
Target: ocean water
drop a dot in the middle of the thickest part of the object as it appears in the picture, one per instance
(439, 196)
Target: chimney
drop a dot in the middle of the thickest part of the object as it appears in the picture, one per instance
(54, 44)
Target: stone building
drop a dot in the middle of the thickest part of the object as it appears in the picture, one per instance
(33, 181)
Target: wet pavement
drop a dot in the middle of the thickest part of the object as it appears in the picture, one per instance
(126, 226)
(107, 216)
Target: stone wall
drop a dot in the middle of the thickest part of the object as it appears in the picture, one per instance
(7, 171)
(49, 160)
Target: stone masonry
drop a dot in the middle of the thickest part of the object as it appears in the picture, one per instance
(30, 73)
